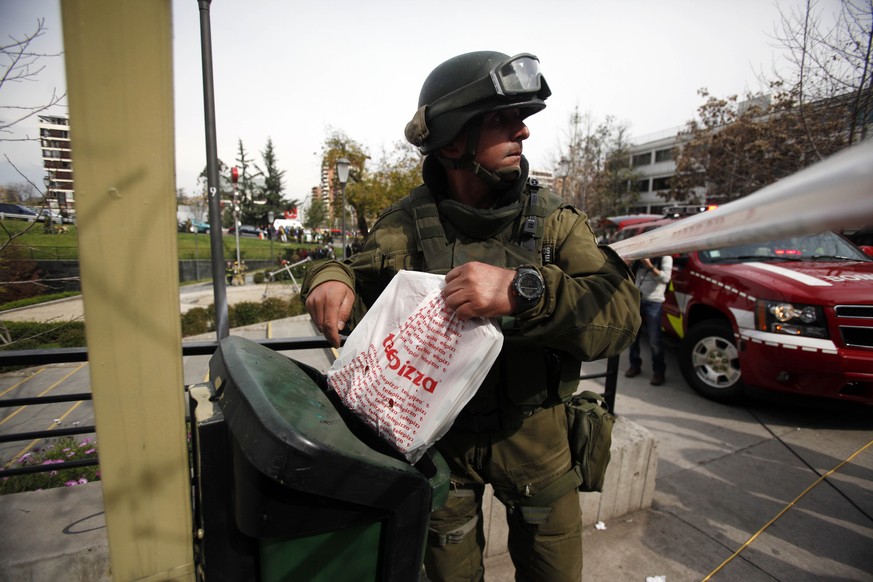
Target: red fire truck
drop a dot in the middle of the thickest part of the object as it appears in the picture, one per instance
(793, 315)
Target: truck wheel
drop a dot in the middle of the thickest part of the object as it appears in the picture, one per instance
(710, 362)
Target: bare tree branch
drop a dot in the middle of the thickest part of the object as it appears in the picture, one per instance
(22, 64)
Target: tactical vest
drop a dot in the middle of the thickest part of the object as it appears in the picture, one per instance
(525, 377)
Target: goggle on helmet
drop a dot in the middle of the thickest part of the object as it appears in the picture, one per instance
(470, 85)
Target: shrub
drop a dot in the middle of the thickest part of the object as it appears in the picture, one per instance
(244, 313)
(30, 335)
(196, 321)
(55, 451)
(258, 277)
(20, 271)
(296, 306)
(274, 308)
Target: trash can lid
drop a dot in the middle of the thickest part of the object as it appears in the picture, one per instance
(288, 428)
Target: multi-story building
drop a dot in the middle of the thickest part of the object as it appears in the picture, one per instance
(544, 177)
(330, 193)
(653, 160)
(57, 159)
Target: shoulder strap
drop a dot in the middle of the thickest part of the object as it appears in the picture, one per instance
(539, 205)
(430, 235)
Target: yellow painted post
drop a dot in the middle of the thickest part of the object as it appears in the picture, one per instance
(119, 79)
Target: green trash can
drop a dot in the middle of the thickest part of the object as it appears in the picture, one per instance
(308, 492)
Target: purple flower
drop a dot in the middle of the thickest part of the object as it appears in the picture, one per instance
(71, 483)
(90, 451)
(52, 461)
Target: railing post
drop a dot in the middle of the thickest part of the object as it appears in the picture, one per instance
(611, 382)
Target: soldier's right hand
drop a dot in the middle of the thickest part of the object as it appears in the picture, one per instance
(330, 305)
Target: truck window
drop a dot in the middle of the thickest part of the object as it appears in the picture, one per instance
(816, 247)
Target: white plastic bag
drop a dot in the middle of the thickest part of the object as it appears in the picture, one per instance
(411, 364)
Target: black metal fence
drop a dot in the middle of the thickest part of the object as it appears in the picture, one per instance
(200, 348)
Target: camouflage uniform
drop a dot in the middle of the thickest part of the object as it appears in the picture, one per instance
(513, 433)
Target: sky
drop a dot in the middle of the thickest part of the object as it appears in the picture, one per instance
(292, 71)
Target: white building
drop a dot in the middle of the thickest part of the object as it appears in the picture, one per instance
(57, 159)
(653, 158)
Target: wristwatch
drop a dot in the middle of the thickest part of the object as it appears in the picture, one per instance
(528, 286)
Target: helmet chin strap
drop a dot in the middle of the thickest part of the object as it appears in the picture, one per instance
(499, 179)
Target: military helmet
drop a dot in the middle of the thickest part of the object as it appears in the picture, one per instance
(470, 85)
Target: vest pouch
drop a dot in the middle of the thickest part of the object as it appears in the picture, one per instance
(589, 427)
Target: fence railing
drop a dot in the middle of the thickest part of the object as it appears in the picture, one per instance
(40, 253)
(198, 348)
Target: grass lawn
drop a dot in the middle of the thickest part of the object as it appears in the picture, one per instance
(33, 243)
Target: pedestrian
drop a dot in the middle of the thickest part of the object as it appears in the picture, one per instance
(651, 278)
(510, 250)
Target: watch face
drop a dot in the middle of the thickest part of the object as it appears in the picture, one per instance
(529, 286)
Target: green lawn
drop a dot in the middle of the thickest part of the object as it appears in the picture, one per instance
(32, 242)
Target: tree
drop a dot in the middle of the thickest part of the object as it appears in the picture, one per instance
(614, 188)
(832, 65)
(22, 64)
(338, 145)
(599, 178)
(820, 106)
(737, 148)
(316, 214)
(246, 187)
(19, 193)
(397, 172)
(272, 188)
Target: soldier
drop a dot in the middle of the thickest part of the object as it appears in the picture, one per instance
(510, 250)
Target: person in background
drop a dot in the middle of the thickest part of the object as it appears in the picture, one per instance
(651, 278)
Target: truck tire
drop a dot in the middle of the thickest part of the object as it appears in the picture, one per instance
(710, 363)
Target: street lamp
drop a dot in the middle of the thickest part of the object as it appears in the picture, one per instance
(47, 224)
(270, 217)
(563, 173)
(47, 180)
(234, 176)
(342, 174)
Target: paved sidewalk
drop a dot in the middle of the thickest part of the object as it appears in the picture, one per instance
(190, 296)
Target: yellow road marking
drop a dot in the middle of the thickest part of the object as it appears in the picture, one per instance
(17, 384)
(44, 392)
(34, 442)
(785, 509)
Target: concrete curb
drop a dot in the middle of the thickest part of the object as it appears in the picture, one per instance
(629, 486)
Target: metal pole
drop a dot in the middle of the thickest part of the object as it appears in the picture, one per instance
(271, 232)
(343, 213)
(218, 281)
(611, 382)
(236, 222)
